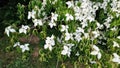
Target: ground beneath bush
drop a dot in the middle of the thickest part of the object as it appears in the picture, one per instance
(9, 58)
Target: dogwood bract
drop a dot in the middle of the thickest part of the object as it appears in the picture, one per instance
(37, 22)
(69, 17)
(31, 14)
(24, 47)
(116, 58)
(96, 51)
(67, 49)
(16, 44)
(8, 30)
(23, 29)
(115, 44)
(49, 42)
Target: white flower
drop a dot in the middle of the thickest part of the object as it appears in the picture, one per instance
(78, 36)
(8, 30)
(92, 62)
(80, 30)
(96, 52)
(96, 34)
(118, 37)
(67, 49)
(54, 17)
(107, 24)
(54, 1)
(49, 43)
(70, 4)
(113, 29)
(78, 33)
(77, 54)
(16, 44)
(69, 17)
(115, 44)
(99, 55)
(59, 39)
(64, 28)
(44, 2)
(37, 22)
(86, 35)
(31, 14)
(48, 46)
(24, 47)
(90, 18)
(51, 24)
(116, 58)
(115, 6)
(23, 29)
(84, 24)
(68, 36)
(99, 25)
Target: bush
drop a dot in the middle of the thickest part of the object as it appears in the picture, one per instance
(84, 32)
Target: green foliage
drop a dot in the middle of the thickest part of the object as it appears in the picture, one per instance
(99, 33)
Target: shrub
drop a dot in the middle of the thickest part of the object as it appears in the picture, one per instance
(84, 32)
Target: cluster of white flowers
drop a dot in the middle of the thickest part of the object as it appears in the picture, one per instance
(49, 42)
(115, 7)
(37, 22)
(85, 12)
(23, 47)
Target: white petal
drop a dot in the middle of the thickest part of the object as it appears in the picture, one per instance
(50, 48)
(92, 62)
(118, 37)
(95, 47)
(52, 37)
(20, 30)
(26, 44)
(68, 53)
(115, 44)
(7, 32)
(116, 55)
(67, 36)
(64, 52)
(23, 50)
(77, 54)
(99, 55)
(115, 60)
(52, 42)
(16, 44)
(46, 46)
(21, 46)
(12, 30)
(94, 53)
(29, 15)
(65, 48)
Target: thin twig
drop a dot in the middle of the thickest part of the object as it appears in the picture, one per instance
(57, 63)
